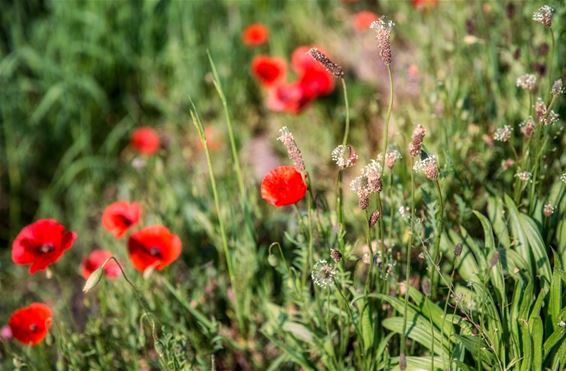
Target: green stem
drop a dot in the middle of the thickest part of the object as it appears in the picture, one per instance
(408, 260)
(347, 126)
(550, 60)
(387, 117)
(340, 210)
(198, 125)
(439, 225)
(231, 136)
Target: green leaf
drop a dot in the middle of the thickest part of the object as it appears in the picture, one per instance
(495, 273)
(531, 245)
(417, 331)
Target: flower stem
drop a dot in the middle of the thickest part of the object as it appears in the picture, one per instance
(439, 225)
(227, 256)
(408, 261)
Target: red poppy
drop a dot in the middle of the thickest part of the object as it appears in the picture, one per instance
(41, 243)
(290, 98)
(283, 186)
(29, 325)
(268, 70)
(153, 247)
(145, 141)
(119, 216)
(95, 259)
(255, 34)
(316, 82)
(363, 19)
(422, 4)
(313, 77)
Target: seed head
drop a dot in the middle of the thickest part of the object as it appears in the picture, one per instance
(391, 157)
(544, 15)
(428, 167)
(425, 286)
(527, 127)
(558, 87)
(417, 140)
(458, 249)
(372, 172)
(344, 156)
(527, 82)
(330, 66)
(524, 176)
(323, 274)
(506, 164)
(503, 134)
(335, 255)
(374, 218)
(494, 259)
(286, 137)
(383, 27)
(548, 210)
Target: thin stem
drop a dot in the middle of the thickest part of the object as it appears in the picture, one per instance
(340, 209)
(439, 225)
(233, 147)
(408, 260)
(198, 125)
(550, 60)
(387, 117)
(346, 104)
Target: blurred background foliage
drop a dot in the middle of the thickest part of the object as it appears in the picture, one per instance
(76, 77)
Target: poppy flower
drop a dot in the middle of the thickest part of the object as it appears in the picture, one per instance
(95, 259)
(283, 186)
(255, 34)
(145, 141)
(41, 243)
(363, 19)
(268, 70)
(30, 325)
(314, 79)
(290, 98)
(153, 246)
(422, 4)
(119, 216)
(301, 60)
(316, 82)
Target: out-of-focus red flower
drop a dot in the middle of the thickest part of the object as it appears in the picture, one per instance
(153, 247)
(30, 325)
(313, 77)
(41, 243)
(213, 138)
(283, 186)
(119, 216)
(95, 259)
(290, 98)
(316, 82)
(363, 19)
(145, 141)
(301, 60)
(268, 70)
(422, 4)
(255, 34)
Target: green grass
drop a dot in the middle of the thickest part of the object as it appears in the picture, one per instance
(77, 77)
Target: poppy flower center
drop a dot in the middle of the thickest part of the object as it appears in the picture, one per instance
(46, 248)
(154, 251)
(33, 327)
(126, 220)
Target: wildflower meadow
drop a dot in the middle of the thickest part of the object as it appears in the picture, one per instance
(282, 185)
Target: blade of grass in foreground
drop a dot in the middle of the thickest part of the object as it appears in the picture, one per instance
(228, 257)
